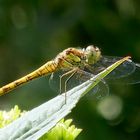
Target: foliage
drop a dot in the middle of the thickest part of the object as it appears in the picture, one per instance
(63, 129)
(6, 117)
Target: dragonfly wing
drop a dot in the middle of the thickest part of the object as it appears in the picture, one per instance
(54, 81)
(99, 91)
(123, 71)
(133, 78)
(126, 73)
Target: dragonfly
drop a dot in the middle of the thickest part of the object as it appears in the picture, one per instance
(79, 63)
(127, 73)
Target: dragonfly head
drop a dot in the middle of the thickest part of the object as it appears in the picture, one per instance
(92, 54)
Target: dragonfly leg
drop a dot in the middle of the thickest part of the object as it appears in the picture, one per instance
(71, 72)
(67, 82)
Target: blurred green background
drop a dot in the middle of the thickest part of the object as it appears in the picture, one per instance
(35, 31)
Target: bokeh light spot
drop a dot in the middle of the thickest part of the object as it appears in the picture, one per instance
(110, 107)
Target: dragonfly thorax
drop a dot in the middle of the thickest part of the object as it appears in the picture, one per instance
(92, 54)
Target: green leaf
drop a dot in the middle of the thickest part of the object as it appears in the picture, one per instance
(62, 130)
(40, 120)
(6, 117)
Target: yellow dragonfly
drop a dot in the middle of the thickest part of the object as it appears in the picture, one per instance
(71, 61)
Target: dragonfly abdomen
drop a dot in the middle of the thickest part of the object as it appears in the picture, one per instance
(47, 68)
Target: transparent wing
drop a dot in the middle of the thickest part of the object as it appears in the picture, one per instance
(99, 91)
(128, 71)
(133, 78)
